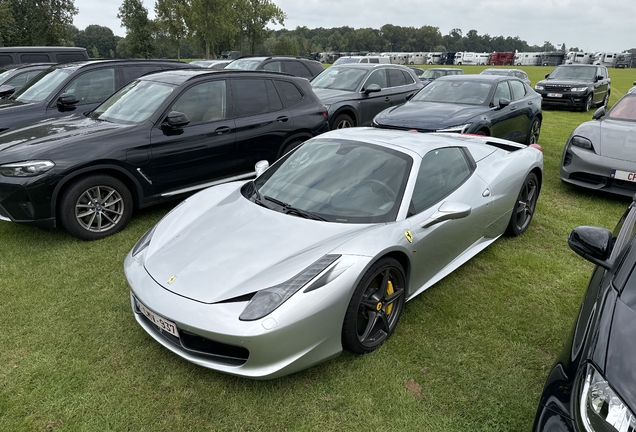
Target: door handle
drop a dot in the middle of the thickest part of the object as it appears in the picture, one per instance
(387, 99)
(486, 193)
(512, 108)
(530, 103)
(222, 130)
(282, 119)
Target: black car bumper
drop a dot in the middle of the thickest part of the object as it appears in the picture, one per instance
(562, 99)
(26, 202)
(548, 420)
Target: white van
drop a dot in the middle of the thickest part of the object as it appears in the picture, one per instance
(362, 59)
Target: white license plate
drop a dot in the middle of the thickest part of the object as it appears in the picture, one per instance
(624, 175)
(160, 321)
(555, 95)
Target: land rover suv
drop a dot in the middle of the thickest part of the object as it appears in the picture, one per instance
(575, 86)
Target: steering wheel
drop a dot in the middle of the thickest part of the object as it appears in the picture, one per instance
(381, 189)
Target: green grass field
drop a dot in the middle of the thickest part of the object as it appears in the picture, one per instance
(469, 354)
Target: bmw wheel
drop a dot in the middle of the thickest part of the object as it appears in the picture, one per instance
(524, 207)
(375, 308)
(342, 121)
(533, 133)
(95, 206)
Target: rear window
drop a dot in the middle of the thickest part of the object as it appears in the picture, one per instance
(34, 58)
(289, 93)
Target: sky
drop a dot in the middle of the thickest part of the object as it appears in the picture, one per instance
(590, 25)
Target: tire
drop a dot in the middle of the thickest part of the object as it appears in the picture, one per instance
(534, 131)
(605, 100)
(375, 307)
(95, 207)
(342, 121)
(588, 104)
(524, 207)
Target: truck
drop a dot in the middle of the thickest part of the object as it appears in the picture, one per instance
(607, 59)
(447, 58)
(554, 58)
(501, 58)
(417, 58)
(471, 58)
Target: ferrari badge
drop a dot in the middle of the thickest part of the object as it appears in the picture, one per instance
(172, 279)
(408, 235)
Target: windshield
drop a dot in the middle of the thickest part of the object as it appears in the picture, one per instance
(339, 78)
(624, 109)
(42, 85)
(4, 74)
(494, 72)
(574, 73)
(433, 73)
(347, 60)
(246, 64)
(453, 91)
(339, 180)
(134, 103)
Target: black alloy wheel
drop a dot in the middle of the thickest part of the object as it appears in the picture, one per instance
(375, 308)
(342, 121)
(533, 133)
(524, 207)
(95, 206)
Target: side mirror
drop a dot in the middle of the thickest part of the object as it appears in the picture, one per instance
(6, 91)
(600, 78)
(447, 211)
(67, 100)
(592, 243)
(503, 102)
(635, 83)
(372, 88)
(409, 97)
(599, 113)
(547, 75)
(176, 120)
(261, 167)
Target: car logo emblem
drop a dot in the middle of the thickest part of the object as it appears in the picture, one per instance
(408, 235)
(172, 279)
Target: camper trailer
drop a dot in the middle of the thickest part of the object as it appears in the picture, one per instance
(471, 58)
(574, 57)
(433, 58)
(608, 59)
(528, 58)
(417, 58)
(399, 58)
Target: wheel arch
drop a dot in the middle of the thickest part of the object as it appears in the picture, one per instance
(537, 171)
(348, 110)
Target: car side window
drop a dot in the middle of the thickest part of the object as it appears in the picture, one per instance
(294, 68)
(396, 78)
(503, 91)
(407, 76)
(254, 96)
(377, 77)
(69, 57)
(440, 173)
(518, 90)
(203, 103)
(34, 58)
(274, 66)
(5, 60)
(289, 93)
(93, 87)
(134, 72)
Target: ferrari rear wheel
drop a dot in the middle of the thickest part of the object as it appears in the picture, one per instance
(524, 207)
(375, 308)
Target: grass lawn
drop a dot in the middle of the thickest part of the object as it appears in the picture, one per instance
(469, 354)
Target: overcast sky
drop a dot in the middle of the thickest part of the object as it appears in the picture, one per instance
(590, 25)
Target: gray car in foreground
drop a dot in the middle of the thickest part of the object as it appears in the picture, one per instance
(320, 253)
(601, 154)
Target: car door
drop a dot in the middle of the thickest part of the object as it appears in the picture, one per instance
(204, 149)
(446, 175)
(91, 88)
(372, 103)
(524, 108)
(504, 120)
(400, 86)
(601, 85)
(262, 122)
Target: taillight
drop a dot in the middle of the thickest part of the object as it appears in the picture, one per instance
(537, 146)
(325, 113)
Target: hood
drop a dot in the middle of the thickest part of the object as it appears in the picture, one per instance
(10, 105)
(218, 245)
(621, 352)
(34, 140)
(428, 115)
(330, 96)
(618, 139)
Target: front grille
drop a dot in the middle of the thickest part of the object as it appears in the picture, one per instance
(561, 88)
(621, 184)
(589, 178)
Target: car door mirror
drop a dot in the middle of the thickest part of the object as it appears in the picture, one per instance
(409, 97)
(592, 243)
(600, 78)
(447, 211)
(6, 91)
(599, 113)
(67, 100)
(547, 75)
(372, 88)
(503, 102)
(176, 120)
(261, 167)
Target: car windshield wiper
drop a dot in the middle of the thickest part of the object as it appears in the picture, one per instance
(256, 196)
(288, 209)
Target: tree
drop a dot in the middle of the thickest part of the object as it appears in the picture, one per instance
(100, 37)
(210, 22)
(134, 17)
(39, 22)
(171, 19)
(254, 16)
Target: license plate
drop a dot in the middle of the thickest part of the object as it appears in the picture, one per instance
(555, 95)
(161, 322)
(623, 175)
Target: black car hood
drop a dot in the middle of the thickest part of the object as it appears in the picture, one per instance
(565, 82)
(428, 115)
(329, 96)
(34, 140)
(621, 352)
(11, 105)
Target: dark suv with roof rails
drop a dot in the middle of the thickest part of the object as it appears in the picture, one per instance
(14, 77)
(575, 86)
(74, 88)
(297, 66)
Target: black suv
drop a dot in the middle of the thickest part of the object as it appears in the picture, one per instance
(14, 77)
(297, 66)
(74, 88)
(161, 137)
(575, 86)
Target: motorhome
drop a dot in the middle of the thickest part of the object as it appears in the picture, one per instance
(552, 58)
(471, 58)
(607, 59)
(574, 57)
(433, 58)
(528, 58)
(417, 58)
(501, 58)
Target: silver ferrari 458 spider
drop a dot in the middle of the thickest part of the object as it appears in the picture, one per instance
(321, 251)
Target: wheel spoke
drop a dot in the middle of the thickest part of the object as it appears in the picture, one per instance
(390, 299)
(83, 215)
(373, 319)
(108, 196)
(99, 221)
(108, 204)
(383, 286)
(109, 219)
(90, 223)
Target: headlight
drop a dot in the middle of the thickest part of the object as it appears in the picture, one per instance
(144, 241)
(578, 89)
(26, 169)
(266, 301)
(601, 409)
(538, 87)
(579, 141)
(458, 129)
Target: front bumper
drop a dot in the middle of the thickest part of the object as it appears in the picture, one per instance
(567, 100)
(303, 331)
(587, 169)
(548, 420)
(26, 201)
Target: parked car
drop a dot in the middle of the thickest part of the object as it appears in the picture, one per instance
(211, 64)
(362, 59)
(432, 74)
(73, 88)
(14, 77)
(297, 66)
(575, 86)
(507, 72)
(493, 105)
(317, 255)
(418, 71)
(41, 54)
(355, 93)
(592, 385)
(601, 154)
(159, 138)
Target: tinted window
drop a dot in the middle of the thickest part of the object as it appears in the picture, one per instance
(203, 103)
(134, 72)
(408, 77)
(5, 60)
(34, 58)
(624, 109)
(518, 90)
(503, 91)
(19, 81)
(441, 172)
(272, 97)
(377, 77)
(289, 92)
(252, 96)
(93, 87)
(296, 69)
(70, 57)
(396, 78)
(272, 66)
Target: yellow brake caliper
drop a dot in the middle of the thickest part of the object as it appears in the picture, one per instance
(389, 291)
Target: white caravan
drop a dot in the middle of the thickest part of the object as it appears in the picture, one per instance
(471, 58)
(528, 58)
(574, 57)
(433, 58)
(417, 58)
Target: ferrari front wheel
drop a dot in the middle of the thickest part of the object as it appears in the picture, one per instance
(375, 307)
(524, 207)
